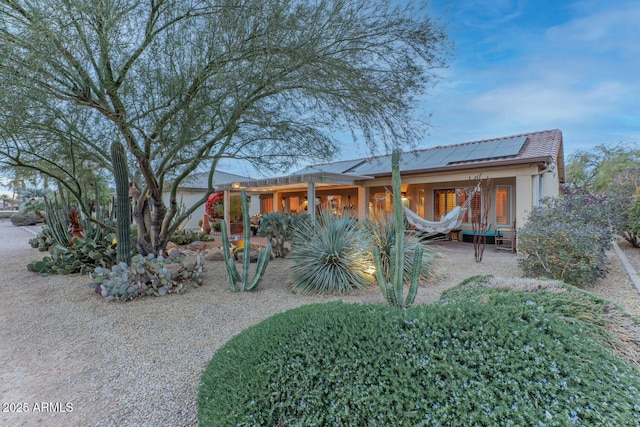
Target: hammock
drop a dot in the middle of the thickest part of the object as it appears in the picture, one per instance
(450, 221)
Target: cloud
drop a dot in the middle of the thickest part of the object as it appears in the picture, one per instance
(579, 74)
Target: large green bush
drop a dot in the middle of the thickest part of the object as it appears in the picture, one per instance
(507, 359)
(567, 240)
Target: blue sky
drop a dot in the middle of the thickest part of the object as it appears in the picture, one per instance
(528, 65)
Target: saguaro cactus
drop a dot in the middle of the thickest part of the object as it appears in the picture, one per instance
(394, 291)
(121, 176)
(263, 258)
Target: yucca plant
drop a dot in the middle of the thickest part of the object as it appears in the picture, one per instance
(331, 255)
(383, 236)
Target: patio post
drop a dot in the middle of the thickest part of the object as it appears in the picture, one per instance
(364, 195)
(311, 199)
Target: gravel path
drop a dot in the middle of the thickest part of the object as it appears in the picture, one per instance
(138, 364)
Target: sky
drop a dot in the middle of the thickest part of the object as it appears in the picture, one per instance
(520, 66)
(528, 65)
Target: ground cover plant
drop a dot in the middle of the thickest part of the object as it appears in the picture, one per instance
(480, 356)
(146, 276)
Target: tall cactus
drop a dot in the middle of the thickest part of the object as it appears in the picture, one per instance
(123, 224)
(57, 222)
(394, 291)
(263, 258)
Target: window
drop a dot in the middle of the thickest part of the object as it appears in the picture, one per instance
(294, 204)
(266, 204)
(421, 203)
(503, 204)
(444, 202)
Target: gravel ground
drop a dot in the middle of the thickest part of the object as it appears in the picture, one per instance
(138, 364)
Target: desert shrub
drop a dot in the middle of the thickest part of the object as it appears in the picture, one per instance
(43, 240)
(512, 362)
(280, 228)
(634, 221)
(184, 237)
(567, 240)
(145, 276)
(383, 236)
(82, 257)
(330, 255)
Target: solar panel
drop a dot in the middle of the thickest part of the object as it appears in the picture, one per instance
(337, 167)
(443, 156)
(490, 149)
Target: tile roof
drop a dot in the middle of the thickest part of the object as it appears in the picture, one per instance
(541, 146)
(200, 180)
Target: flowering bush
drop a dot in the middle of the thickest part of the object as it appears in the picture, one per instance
(213, 205)
(482, 357)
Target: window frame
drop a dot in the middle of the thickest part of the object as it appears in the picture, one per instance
(508, 204)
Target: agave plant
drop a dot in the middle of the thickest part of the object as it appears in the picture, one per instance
(383, 236)
(331, 255)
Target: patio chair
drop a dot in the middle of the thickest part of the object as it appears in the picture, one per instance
(505, 238)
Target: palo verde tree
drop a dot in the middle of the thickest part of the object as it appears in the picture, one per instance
(611, 175)
(184, 83)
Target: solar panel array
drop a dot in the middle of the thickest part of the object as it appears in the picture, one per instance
(337, 167)
(443, 156)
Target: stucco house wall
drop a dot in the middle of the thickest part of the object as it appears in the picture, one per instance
(531, 165)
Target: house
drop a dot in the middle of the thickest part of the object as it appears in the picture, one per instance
(523, 169)
(194, 187)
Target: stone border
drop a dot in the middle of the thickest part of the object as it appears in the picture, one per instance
(631, 271)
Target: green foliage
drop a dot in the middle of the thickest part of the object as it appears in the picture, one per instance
(613, 172)
(32, 199)
(567, 240)
(393, 269)
(123, 204)
(85, 255)
(571, 304)
(184, 237)
(511, 360)
(58, 222)
(598, 169)
(102, 67)
(383, 236)
(331, 255)
(145, 276)
(245, 283)
(280, 228)
(634, 221)
(43, 240)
